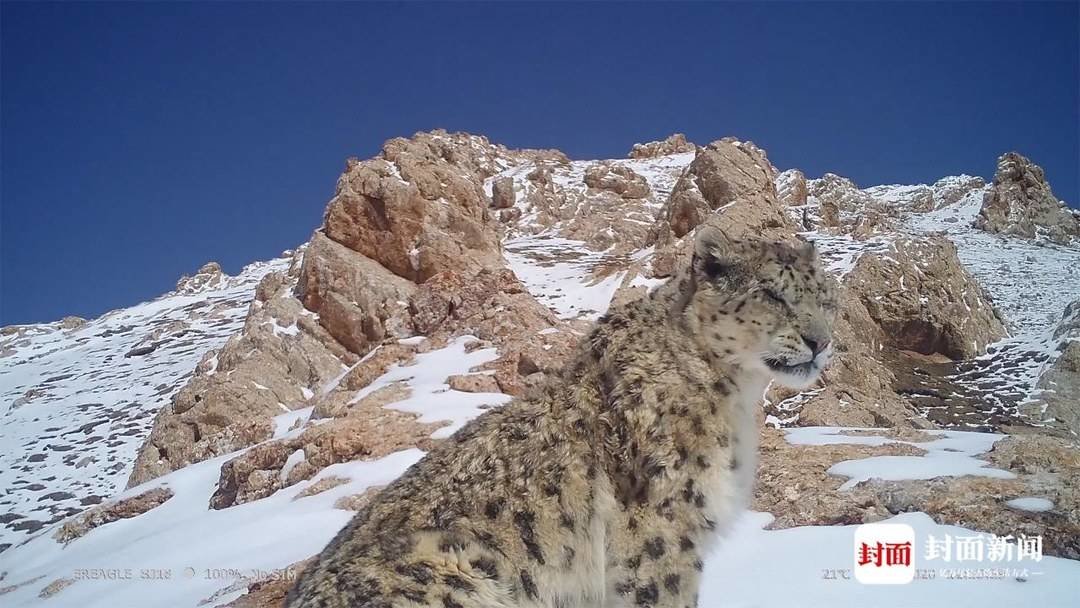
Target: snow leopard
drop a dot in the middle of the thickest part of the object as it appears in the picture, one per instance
(608, 484)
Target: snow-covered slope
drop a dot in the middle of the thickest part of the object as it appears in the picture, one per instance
(1030, 283)
(75, 404)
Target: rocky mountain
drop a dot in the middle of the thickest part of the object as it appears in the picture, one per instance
(79, 397)
(226, 430)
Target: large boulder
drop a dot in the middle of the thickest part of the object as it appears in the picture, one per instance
(1020, 203)
(618, 179)
(495, 307)
(924, 300)
(730, 183)
(730, 175)
(415, 212)
(502, 192)
(841, 204)
(358, 301)
(125, 508)
(419, 208)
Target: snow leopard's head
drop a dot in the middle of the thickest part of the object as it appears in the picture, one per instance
(767, 306)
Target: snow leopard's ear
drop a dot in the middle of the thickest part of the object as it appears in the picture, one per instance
(715, 253)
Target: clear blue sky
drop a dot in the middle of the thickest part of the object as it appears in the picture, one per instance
(140, 140)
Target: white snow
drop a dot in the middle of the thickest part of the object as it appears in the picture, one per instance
(294, 459)
(1031, 503)
(283, 422)
(950, 453)
(431, 397)
(558, 272)
(78, 439)
(202, 550)
(790, 568)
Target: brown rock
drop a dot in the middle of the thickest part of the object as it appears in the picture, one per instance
(473, 383)
(342, 403)
(369, 435)
(375, 364)
(419, 208)
(207, 277)
(268, 592)
(491, 305)
(55, 587)
(324, 484)
(724, 173)
(673, 144)
(924, 299)
(356, 502)
(109, 512)
(502, 193)
(281, 352)
(358, 301)
(949, 190)
(72, 322)
(618, 179)
(1020, 203)
(730, 183)
(791, 188)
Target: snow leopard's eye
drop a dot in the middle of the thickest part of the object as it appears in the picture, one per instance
(770, 294)
(712, 267)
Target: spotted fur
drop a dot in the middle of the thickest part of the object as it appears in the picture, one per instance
(605, 486)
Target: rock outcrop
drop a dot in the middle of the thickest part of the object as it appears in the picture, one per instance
(844, 206)
(358, 301)
(100, 515)
(726, 175)
(924, 299)
(367, 435)
(730, 182)
(949, 190)
(407, 247)
(672, 144)
(228, 404)
(418, 209)
(791, 188)
(1058, 391)
(1020, 203)
(618, 179)
(502, 193)
(210, 275)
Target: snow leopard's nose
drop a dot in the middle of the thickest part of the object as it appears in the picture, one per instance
(816, 346)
